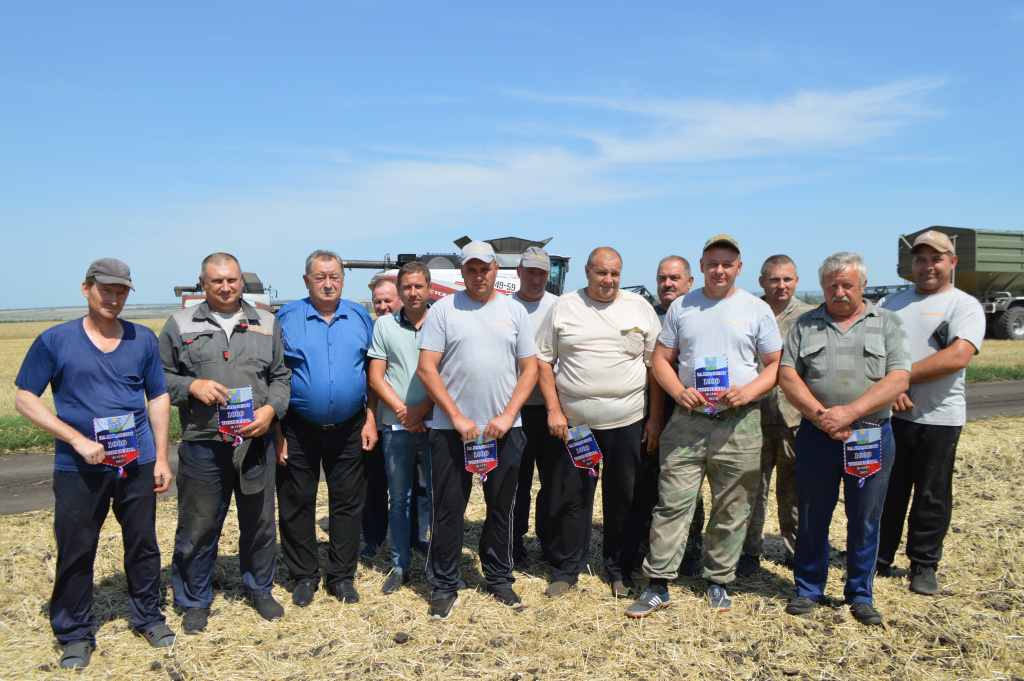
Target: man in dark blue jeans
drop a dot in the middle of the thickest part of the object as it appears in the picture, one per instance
(109, 451)
(224, 364)
(843, 365)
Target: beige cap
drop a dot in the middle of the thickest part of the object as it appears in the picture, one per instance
(722, 240)
(937, 240)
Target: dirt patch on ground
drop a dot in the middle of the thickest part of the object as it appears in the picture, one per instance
(973, 629)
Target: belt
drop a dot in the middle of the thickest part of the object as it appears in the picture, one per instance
(723, 414)
(327, 426)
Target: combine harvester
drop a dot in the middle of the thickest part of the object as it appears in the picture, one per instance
(446, 279)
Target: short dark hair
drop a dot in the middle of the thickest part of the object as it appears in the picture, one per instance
(774, 261)
(414, 267)
(681, 260)
(218, 259)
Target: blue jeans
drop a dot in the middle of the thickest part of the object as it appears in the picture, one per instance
(819, 471)
(206, 480)
(400, 447)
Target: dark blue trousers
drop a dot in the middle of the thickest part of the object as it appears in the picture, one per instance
(819, 472)
(206, 480)
(82, 501)
(375, 510)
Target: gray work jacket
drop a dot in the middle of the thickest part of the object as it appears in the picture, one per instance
(194, 346)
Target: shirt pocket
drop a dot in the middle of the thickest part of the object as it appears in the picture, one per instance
(200, 348)
(814, 359)
(874, 360)
(632, 342)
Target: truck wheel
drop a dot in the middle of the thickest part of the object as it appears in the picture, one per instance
(1010, 324)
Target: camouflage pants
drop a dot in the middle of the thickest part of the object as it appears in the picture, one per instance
(728, 452)
(776, 452)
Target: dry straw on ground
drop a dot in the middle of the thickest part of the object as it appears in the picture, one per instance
(972, 630)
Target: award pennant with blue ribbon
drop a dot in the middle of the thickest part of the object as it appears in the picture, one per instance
(583, 448)
(862, 451)
(481, 455)
(710, 378)
(236, 414)
(117, 435)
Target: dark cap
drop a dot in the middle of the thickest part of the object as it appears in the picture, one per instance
(110, 271)
(250, 459)
(722, 240)
(536, 258)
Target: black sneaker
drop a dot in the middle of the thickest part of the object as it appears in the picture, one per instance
(303, 593)
(441, 608)
(344, 591)
(507, 597)
(923, 580)
(800, 606)
(268, 608)
(748, 565)
(194, 620)
(395, 581)
(865, 613)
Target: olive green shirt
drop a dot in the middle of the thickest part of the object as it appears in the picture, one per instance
(839, 367)
(775, 408)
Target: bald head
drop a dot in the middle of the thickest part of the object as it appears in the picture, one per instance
(218, 260)
(603, 252)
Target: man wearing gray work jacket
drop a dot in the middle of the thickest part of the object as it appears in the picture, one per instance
(219, 346)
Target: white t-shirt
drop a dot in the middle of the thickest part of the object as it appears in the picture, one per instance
(603, 351)
(228, 322)
(536, 311)
(739, 327)
(480, 345)
(941, 402)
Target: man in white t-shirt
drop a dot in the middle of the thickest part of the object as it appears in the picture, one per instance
(541, 447)
(945, 327)
(478, 364)
(717, 333)
(601, 338)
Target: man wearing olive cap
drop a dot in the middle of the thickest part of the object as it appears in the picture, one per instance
(717, 333)
(104, 372)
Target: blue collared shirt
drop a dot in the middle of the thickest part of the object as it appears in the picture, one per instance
(328, 361)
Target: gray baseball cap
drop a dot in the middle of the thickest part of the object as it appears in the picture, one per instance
(536, 258)
(110, 271)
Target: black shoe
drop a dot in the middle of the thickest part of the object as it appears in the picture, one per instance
(800, 606)
(303, 593)
(690, 567)
(441, 608)
(344, 591)
(506, 597)
(865, 613)
(748, 565)
(882, 570)
(623, 588)
(194, 620)
(420, 546)
(77, 654)
(923, 580)
(268, 608)
(395, 581)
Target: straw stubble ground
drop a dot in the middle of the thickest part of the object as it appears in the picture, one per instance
(972, 630)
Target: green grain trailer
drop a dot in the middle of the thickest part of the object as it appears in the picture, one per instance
(990, 267)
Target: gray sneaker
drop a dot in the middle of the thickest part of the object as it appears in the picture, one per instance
(923, 580)
(719, 598)
(648, 602)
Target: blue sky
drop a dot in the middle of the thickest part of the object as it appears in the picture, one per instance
(160, 132)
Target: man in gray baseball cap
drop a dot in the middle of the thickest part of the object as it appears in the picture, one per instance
(110, 271)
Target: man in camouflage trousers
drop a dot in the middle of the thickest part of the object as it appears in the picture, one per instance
(779, 423)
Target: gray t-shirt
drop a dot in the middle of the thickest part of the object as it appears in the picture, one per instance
(228, 321)
(480, 345)
(940, 402)
(739, 327)
(536, 312)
